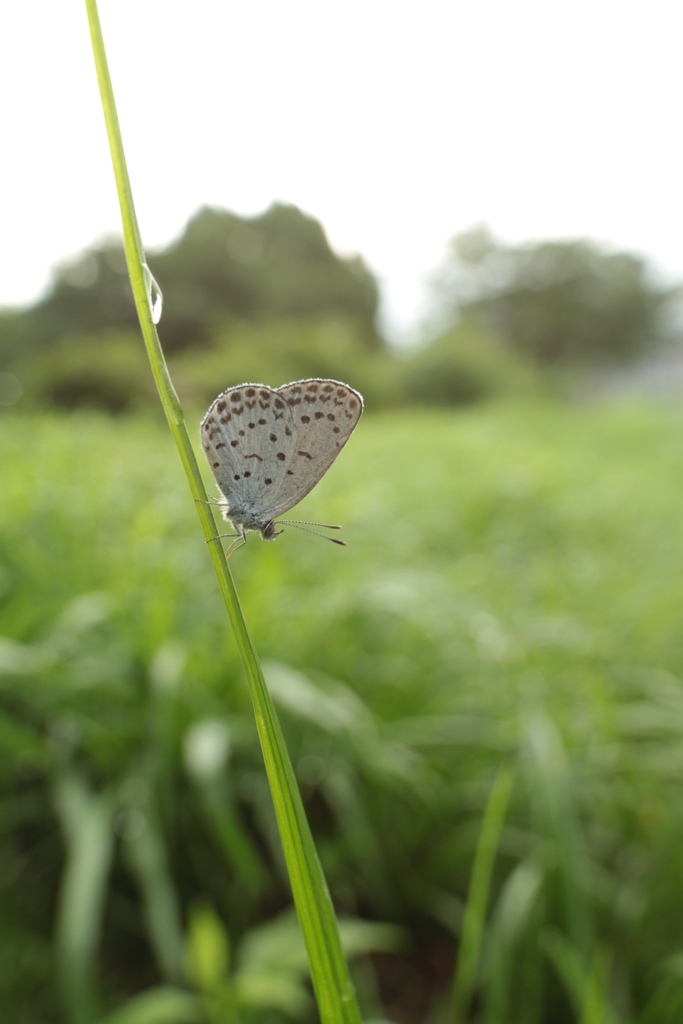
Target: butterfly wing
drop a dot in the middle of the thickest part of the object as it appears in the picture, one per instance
(248, 438)
(324, 414)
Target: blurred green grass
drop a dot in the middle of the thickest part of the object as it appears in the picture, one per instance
(511, 592)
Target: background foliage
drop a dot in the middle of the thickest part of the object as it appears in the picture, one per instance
(521, 606)
(510, 596)
(560, 303)
(243, 294)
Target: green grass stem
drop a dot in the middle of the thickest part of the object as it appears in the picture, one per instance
(89, 837)
(478, 895)
(331, 981)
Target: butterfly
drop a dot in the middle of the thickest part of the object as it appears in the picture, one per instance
(268, 447)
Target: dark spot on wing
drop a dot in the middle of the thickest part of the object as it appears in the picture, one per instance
(279, 404)
(281, 456)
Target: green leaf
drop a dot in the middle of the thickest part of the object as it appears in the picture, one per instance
(159, 1006)
(208, 949)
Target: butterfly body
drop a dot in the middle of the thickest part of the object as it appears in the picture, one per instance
(269, 447)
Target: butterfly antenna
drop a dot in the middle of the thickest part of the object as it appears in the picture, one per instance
(307, 522)
(298, 526)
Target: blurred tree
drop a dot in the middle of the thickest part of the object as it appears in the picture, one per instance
(467, 364)
(90, 294)
(223, 268)
(270, 281)
(275, 266)
(558, 302)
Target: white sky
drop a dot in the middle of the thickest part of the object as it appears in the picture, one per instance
(395, 123)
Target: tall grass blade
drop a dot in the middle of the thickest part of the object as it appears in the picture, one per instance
(89, 836)
(331, 981)
(478, 895)
(146, 853)
(586, 984)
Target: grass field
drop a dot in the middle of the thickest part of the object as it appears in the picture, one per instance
(511, 594)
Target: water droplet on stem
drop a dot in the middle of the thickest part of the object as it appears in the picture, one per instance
(154, 295)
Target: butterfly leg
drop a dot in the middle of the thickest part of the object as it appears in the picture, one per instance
(238, 543)
(240, 539)
(211, 501)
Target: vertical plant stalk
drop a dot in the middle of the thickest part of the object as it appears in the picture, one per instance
(331, 981)
(87, 822)
(478, 895)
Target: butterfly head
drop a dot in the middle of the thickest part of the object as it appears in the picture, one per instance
(269, 530)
